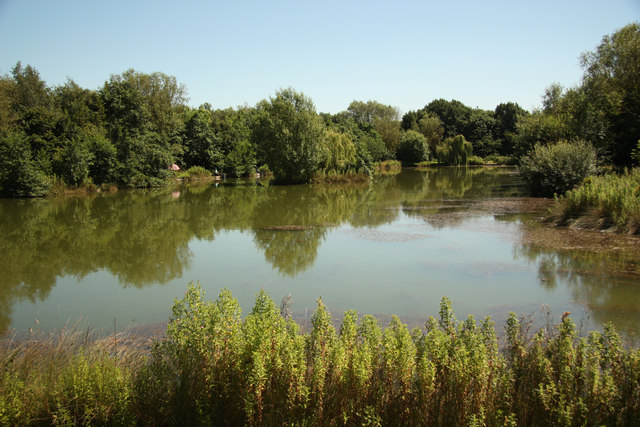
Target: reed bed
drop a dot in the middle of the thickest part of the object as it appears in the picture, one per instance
(603, 202)
(216, 367)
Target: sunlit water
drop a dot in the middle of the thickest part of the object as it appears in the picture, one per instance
(394, 246)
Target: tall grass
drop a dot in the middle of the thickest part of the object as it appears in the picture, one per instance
(68, 378)
(603, 202)
(218, 368)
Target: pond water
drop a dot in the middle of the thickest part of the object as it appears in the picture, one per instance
(396, 245)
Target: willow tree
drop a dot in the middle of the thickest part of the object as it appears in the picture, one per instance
(454, 151)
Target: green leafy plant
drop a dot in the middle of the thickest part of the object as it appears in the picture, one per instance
(557, 168)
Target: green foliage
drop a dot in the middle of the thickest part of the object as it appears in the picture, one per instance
(289, 136)
(339, 153)
(20, 175)
(373, 146)
(635, 154)
(453, 114)
(539, 128)
(610, 85)
(454, 151)
(213, 367)
(102, 169)
(384, 119)
(554, 169)
(201, 147)
(603, 202)
(67, 380)
(413, 148)
(195, 173)
(75, 162)
(241, 161)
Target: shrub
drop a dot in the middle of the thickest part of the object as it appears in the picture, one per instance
(214, 368)
(476, 161)
(196, 173)
(501, 160)
(557, 168)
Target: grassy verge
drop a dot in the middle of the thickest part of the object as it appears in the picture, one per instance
(602, 202)
(218, 368)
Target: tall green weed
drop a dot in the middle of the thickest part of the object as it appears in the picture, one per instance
(216, 368)
(603, 202)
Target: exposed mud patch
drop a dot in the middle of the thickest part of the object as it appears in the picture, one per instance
(488, 269)
(386, 236)
(288, 227)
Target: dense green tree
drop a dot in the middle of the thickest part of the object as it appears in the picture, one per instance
(8, 117)
(506, 117)
(371, 111)
(454, 151)
(102, 169)
(233, 131)
(30, 90)
(539, 128)
(370, 147)
(413, 148)
(81, 109)
(75, 162)
(20, 175)
(143, 119)
(479, 131)
(241, 160)
(612, 83)
(289, 136)
(432, 129)
(374, 146)
(384, 119)
(201, 147)
(339, 153)
(142, 102)
(453, 114)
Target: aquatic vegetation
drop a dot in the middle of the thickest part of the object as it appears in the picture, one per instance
(216, 367)
(603, 202)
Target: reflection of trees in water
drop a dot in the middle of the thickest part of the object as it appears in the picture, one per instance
(290, 251)
(142, 237)
(601, 271)
(446, 197)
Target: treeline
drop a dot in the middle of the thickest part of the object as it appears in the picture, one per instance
(217, 368)
(129, 131)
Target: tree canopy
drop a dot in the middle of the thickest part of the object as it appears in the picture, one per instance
(128, 131)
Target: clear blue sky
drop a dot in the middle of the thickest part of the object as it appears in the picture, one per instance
(234, 52)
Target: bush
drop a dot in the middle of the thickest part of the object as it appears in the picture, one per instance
(216, 368)
(501, 160)
(413, 148)
(476, 161)
(557, 168)
(196, 173)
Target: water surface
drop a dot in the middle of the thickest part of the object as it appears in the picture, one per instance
(393, 246)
